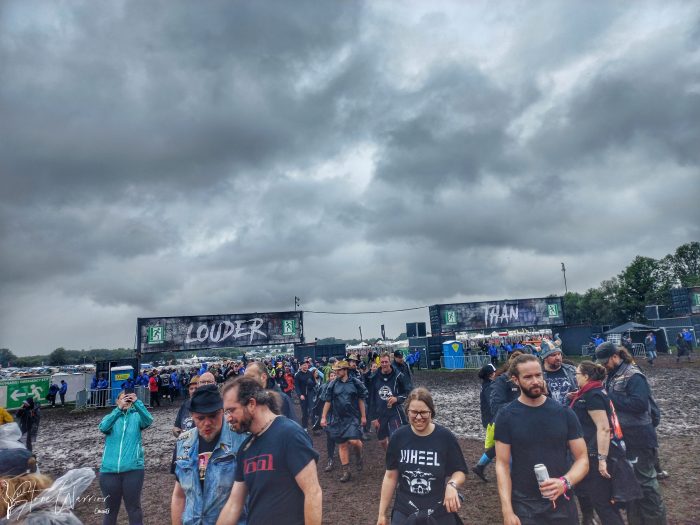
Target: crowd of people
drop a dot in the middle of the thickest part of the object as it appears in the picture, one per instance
(244, 453)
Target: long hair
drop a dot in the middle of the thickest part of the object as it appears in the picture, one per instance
(594, 371)
(18, 490)
(248, 388)
(504, 368)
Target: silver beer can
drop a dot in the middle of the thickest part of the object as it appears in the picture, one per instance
(541, 473)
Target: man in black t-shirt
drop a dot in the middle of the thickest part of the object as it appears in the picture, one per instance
(258, 371)
(559, 376)
(276, 468)
(183, 420)
(388, 391)
(533, 430)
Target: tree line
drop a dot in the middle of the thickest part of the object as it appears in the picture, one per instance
(617, 300)
(643, 282)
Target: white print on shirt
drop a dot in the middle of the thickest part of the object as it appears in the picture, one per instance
(418, 481)
(420, 457)
(385, 393)
(559, 387)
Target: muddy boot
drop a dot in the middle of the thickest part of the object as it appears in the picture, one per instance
(479, 471)
(346, 474)
(329, 466)
(359, 464)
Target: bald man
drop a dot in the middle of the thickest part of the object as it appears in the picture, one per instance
(258, 371)
(207, 378)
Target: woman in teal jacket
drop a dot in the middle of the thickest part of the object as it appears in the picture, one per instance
(121, 473)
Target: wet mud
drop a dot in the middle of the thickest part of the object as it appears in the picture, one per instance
(69, 440)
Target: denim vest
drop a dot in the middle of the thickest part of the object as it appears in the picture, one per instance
(203, 504)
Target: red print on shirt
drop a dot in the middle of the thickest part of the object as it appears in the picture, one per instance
(262, 463)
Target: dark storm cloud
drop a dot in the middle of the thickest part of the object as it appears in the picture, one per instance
(154, 92)
(175, 158)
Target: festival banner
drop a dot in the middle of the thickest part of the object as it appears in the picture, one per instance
(496, 315)
(202, 332)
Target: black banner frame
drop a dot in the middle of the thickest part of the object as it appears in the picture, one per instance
(168, 334)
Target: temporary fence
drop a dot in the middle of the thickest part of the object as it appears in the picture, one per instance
(97, 398)
(639, 350)
(465, 362)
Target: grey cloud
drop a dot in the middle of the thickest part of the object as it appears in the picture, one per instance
(167, 158)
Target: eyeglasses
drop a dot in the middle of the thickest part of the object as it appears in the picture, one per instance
(424, 414)
(206, 383)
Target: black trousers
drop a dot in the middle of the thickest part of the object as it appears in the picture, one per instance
(304, 404)
(126, 486)
(594, 493)
(565, 513)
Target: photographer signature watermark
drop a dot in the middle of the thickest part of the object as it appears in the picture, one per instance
(23, 498)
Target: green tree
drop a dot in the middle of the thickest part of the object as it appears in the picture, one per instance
(572, 308)
(7, 358)
(686, 264)
(638, 286)
(58, 357)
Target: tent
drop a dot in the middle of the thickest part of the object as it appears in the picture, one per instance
(638, 332)
(630, 326)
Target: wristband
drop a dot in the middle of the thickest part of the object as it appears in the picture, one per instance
(602, 457)
(454, 485)
(566, 483)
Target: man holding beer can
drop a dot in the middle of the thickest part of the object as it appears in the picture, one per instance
(536, 433)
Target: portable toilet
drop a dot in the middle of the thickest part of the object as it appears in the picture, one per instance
(453, 354)
(117, 376)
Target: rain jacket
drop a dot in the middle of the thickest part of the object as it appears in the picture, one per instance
(123, 450)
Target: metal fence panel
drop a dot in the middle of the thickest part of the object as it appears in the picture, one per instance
(639, 350)
(95, 398)
(466, 362)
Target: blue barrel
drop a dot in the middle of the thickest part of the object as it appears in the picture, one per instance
(453, 353)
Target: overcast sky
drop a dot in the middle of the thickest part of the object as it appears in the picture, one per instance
(179, 158)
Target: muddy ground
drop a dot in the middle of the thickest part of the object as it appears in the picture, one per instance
(68, 440)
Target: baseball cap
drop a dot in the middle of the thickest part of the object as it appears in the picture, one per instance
(605, 351)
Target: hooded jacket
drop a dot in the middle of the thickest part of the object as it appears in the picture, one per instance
(123, 449)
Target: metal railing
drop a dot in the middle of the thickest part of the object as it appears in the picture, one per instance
(97, 398)
(639, 350)
(465, 362)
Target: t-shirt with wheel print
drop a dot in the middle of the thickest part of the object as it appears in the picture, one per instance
(424, 464)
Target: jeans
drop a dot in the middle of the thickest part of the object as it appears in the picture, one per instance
(650, 510)
(126, 485)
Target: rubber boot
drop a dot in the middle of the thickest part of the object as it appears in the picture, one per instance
(329, 466)
(359, 460)
(346, 474)
(479, 471)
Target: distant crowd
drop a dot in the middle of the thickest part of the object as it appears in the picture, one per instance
(557, 433)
